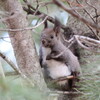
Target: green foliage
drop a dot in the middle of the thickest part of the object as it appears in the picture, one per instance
(90, 82)
(16, 89)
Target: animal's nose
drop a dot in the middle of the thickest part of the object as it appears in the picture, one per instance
(43, 41)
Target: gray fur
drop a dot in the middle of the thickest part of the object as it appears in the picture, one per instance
(51, 46)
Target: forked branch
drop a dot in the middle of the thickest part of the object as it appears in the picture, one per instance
(61, 5)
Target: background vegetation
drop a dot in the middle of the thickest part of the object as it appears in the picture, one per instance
(15, 87)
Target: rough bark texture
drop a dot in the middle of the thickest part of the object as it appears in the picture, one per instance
(23, 45)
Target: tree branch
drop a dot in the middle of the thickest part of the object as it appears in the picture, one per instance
(24, 29)
(15, 68)
(82, 40)
(62, 79)
(67, 92)
(86, 11)
(60, 4)
(91, 43)
(39, 13)
(9, 62)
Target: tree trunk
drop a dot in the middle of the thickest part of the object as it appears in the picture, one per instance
(22, 42)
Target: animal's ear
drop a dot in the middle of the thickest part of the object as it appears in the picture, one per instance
(57, 26)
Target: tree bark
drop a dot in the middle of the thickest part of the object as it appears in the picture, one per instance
(22, 42)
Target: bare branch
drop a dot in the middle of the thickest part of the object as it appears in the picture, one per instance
(24, 29)
(96, 16)
(9, 62)
(45, 3)
(62, 79)
(39, 13)
(37, 4)
(96, 13)
(86, 11)
(66, 92)
(71, 7)
(60, 4)
(96, 22)
(92, 43)
(89, 39)
(82, 40)
(15, 68)
(11, 73)
(80, 44)
(88, 14)
(2, 74)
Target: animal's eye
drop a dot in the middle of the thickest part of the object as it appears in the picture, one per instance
(51, 37)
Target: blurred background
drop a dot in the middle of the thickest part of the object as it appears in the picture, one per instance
(14, 87)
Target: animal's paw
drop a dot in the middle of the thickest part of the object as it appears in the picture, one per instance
(48, 57)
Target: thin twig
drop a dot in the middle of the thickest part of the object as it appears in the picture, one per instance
(66, 92)
(93, 32)
(71, 7)
(50, 19)
(15, 68)
(96, 16)
(75, 8)
(80, 44)
(79, 39)
(60, 54)
(62, 79)
(91, 18)
(86, 11)
(24, 29)
(39, 13)
(37, 4)
(9, 62)
(45, 3)
(3, 38)
(89, 39)
(92, 47)
(88, 42)
(37, 21)
(11, 73)
(96, 13)
(71, 44)
(60, 4)
(2, 74)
